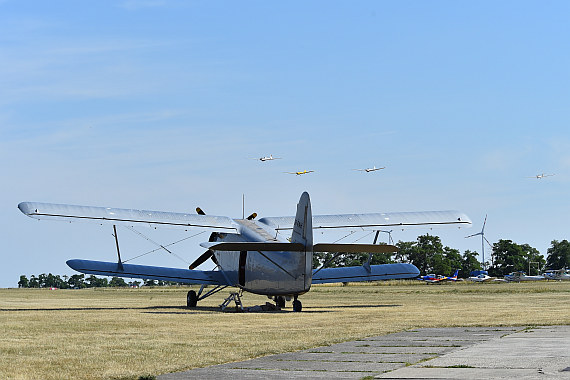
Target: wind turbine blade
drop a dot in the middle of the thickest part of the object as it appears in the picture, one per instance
(478, 233)
(484, 222)
(490, 245)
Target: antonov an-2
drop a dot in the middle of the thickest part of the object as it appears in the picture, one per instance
(251, 254)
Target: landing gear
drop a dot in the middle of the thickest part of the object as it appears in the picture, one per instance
(191, 299)
(280, 301)
(297, 305)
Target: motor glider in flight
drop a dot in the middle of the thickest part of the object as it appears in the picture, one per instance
(267, 158)
(250, 254)
(541, 176)
(301, 172)
(368, 170)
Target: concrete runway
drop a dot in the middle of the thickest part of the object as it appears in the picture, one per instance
(431, 353)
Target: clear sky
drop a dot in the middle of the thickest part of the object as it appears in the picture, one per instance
(161, 104)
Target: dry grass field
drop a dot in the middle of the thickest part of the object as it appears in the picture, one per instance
(127, 333)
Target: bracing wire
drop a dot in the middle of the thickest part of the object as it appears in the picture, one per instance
(160, 246)
(345, 236)
(368, 234)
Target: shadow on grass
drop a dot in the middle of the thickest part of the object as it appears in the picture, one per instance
(186, 310)
(142, 308)
(352, 306)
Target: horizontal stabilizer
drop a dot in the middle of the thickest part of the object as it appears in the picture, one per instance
(183, 276)
(354, 248)
(254, 246)
(360, 273)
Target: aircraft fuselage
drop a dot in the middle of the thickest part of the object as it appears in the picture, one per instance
(264, 272)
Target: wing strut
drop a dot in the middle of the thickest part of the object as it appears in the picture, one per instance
(366, 265)
(119, 263)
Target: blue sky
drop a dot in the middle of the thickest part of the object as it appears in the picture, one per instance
(161, 104)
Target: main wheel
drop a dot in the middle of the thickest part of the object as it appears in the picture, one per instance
(297, 305)
(280, 301)
(191, 299)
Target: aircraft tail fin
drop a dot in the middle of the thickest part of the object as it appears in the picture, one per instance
(303, 235)
(303, 225)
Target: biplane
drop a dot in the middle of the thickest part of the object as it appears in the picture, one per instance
(252, 255)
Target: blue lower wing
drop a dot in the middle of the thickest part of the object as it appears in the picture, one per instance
(184, 276)
(361, 273)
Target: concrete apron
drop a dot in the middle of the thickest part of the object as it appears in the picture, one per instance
(431, 353)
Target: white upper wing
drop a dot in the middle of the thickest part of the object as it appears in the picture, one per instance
(105, 215)
(374, 221)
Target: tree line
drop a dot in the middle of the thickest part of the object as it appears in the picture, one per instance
(429, 255)
(79, 281)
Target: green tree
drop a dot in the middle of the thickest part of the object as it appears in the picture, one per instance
(469, 263)
(446, 262)
(34, 283)
(96, 282)
(423, 252)
(405, 251)
(381, 258)
(54, 281)
(42, 279)
(512, 257)
(117, 282)
(23, 283)
(535, 261)
(77, 281)
(558, 255)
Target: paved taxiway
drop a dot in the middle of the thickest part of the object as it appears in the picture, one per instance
(431, 353)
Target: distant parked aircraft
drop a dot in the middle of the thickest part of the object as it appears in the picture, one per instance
(433, 279)
(560, 274)
(521, 276)
(482, 278)
(368, 170)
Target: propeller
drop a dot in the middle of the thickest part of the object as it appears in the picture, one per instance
(209, 254)
(203, 257)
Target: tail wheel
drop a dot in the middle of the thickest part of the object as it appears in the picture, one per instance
(297, 306)
(191, 299)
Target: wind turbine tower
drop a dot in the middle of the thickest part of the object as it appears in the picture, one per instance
(483, 240)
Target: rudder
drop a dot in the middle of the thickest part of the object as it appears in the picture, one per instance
(303, 234)
(303, 225)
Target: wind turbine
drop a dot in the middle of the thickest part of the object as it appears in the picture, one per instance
(483, 240)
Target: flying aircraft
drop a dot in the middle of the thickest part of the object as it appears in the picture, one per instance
(541, 176)
(250, 254)
(267, 158)
(368, 170)
(433, 279)
(302, 172)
